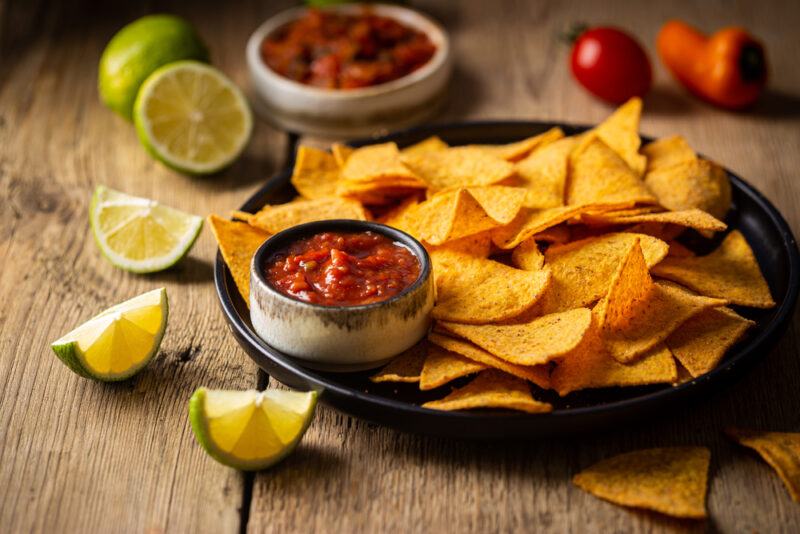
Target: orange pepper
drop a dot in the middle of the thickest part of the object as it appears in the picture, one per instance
(728, 69)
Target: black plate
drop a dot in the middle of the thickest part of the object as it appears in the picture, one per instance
(397, 405)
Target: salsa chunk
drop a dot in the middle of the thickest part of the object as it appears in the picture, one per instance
(343, 269)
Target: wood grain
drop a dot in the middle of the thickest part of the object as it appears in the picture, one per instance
(76, 456)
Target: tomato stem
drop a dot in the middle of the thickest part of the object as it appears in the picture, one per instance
(576, 30)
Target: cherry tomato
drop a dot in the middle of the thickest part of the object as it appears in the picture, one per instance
(610, 64)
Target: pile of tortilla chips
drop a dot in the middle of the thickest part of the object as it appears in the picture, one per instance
(555, 258)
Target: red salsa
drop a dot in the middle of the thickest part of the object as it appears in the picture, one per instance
(343, 269)
(341, 51)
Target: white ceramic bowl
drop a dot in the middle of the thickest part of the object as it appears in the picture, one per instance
(351, 112)
(340, 338)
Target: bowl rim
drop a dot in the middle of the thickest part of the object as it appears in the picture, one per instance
(434, 31)
(646, 402)
(300, 231)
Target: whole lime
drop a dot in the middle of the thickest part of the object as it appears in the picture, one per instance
(137, 50)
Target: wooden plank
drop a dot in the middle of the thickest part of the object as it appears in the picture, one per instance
(349, 476)
(79, 456)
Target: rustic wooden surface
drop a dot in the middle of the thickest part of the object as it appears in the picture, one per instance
(76, 456)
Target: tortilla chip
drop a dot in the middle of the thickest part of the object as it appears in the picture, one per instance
(477, 291)
(781, 450)
(668, 151)
(399, 216)
(492, 389)
(583, 270)
(527, 256)
(315, 173)
(448, 216)
(380, 162)
(662, 231)
(599, 175)
(697, 184)
(701, 342)
(406, 366)
(637, 314)
(501, 203)
(532, 343)
(341, 153)
(589, 365)
(520, 149)
(620, 132)
(478, 245)
(544, 174)
(730, 272)
(538, 374)
(670, 480)
(557, 235)
(238, 243)
(431, 144)
(529, 222)
(458, 167)
(442, 366)
(692, 218)
(679, 250)
(274, 218)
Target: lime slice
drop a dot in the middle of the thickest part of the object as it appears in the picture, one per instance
(140, 235)
(192, 118)
(119, 342)
(250, 430)
(137, 50)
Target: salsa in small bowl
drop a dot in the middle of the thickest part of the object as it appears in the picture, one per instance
(348, 70)
(342, 295)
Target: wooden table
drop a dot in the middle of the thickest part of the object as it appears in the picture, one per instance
(79, 456)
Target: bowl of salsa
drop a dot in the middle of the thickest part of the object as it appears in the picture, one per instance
(348, 69)
(343, 295)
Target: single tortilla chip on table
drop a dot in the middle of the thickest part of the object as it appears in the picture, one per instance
(406, 366)
(692, 218)
(458, 167)
(274, 218)
(781, 450)
(668, 151)
(238, 242)
(582, 270)
(730, 272)
(669, 480)
(637, 313)
(698, 183)
(315, 173)
(442, 366)
(600, 175)
(702, 341)
(477, 290)
(492, 389)
(620, 131)
(538, 374)
(520, 149)
(431, 144)
(544, 174)
(535, 342)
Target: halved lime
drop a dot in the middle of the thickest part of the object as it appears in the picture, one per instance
(138, 234)
(137, 50)
(119, 342)
(250, 430)
(192, 118)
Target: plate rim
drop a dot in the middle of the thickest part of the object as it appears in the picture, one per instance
(771, 333)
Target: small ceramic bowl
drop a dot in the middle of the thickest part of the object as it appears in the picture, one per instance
(340, 338)
(351, 112)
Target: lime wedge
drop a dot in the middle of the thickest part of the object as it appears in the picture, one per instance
(140, 235)
(119, 342)
(192, 118)
(250, 430)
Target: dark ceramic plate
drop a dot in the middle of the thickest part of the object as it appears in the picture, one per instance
(397, 405)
